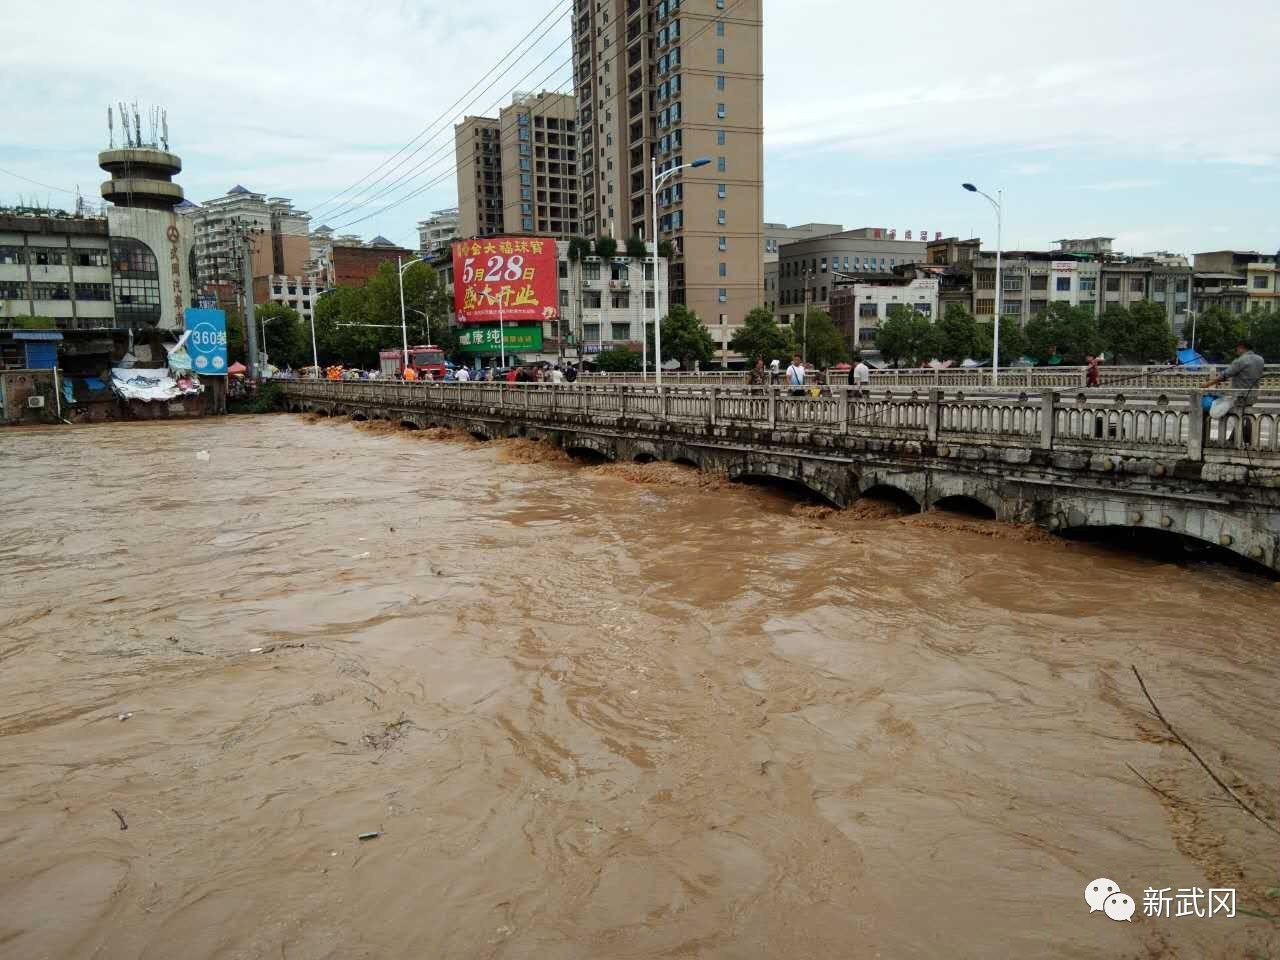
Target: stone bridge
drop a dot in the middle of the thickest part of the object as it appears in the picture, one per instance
(1065, 460)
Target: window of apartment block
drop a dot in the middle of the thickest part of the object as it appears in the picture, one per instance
(93, 291)
(719, 4)
(525, 164)
(591, 270)
(48, 257)
(1260, 282)
(13, 290)
(13, 255)
(720, 55)
(1011, 284)
(50, 291)
(1038, 307)
(724, 269)
(719, 81)
(724, 295)
(1062, 284)
(985, 307)
(719, 138)
(526, 223)
(620, 331)
(591, 299)
(722, 243)
(1013, 307)
(868, 311)
(720, 110)
(1182, 286)
(985, 279)
(1113, 284)
(722, 164)
(591, 331)
(721, 191)
(1137, 284)
(720, 216)
(90, 258)
(1158, 284)
(1088, 285)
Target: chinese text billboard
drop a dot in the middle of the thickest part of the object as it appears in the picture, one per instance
(207, 344)
(484, 340)
(505, 278)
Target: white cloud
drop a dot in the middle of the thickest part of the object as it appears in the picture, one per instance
(1108, 186)
(1133, 77)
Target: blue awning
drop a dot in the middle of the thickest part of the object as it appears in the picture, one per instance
(53, 335)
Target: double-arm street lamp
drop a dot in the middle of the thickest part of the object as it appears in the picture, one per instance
(998, 203)
(404, 323)
(658, 179)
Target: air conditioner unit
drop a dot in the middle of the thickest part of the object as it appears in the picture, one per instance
(35, 403)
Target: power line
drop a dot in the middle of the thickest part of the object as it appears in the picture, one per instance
(448, 113)
(436, 181)
(47, 186)
(447, 147)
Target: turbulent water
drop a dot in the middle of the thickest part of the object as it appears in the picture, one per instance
(594, 712)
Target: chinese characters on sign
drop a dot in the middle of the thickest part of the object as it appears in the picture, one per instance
(484, 340)
(175, 271)
(207, 343)
(1188, 902)
(505, 278)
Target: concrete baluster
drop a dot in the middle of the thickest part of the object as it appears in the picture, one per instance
(714, 398)
(1195, 426)
(1047, 419)
(932, 414)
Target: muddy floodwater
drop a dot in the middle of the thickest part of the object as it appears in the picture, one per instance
(596, 712)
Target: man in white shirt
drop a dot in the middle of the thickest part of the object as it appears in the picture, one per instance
(861, 373)
(557, 375)
(463, 374)
(795, 376)
(775, 371)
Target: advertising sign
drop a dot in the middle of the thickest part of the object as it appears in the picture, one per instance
(484, 340)
(207, 344)
(505, 278)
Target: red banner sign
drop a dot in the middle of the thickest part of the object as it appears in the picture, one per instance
(505, 278)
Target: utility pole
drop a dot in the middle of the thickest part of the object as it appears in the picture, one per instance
(250, 322)
(804, 329)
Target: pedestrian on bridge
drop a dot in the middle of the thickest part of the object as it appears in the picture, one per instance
(1245, 373)
(795, 376)
(757, 376)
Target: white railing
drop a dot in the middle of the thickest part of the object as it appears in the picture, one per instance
(1031, 377)
(1133, 422)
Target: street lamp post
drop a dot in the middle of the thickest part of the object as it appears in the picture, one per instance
(998, 204)
(404, 323)
(657, 179)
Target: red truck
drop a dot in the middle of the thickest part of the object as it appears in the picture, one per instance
(425, 359)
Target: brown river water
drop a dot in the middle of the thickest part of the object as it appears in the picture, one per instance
(595, 712)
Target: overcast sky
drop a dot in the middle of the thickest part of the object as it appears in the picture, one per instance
(1156, 123)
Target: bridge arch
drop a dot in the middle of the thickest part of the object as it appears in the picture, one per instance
(1236, 534)
(581, 443)
(907, 490)
(964, 494)
(831, 483)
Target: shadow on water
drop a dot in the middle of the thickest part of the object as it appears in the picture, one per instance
(1163, 546)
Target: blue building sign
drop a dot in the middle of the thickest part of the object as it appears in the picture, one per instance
(207, 344)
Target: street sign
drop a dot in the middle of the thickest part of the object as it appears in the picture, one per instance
(207, 344)
(484, 340)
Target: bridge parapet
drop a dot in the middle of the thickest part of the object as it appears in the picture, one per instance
(1137, 422)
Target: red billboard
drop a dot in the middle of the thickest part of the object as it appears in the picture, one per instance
(505, 278)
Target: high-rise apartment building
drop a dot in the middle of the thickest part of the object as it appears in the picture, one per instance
(476, 142)
(675, 81)
(519, 173)
(437, 231)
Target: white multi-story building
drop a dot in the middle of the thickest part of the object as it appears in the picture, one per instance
(436, 232)
(869, 304)
(1030, 282)
(280, 233)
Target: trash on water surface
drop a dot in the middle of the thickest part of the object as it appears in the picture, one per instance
(203, 456)
(371, 835)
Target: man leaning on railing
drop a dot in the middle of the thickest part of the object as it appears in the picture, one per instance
(1245, 374)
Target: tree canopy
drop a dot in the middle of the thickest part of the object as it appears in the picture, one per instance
(1217, 332)
(288, 344)
(619, 360)
(906, 337)
(823, 344)
(760, 338)
(957, 334)
(1013, 341)
(1063, 331)
(684, 337)
(1138, 334)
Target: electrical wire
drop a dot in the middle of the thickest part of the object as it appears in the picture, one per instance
(47, 186)
(499, 102)
(448, 113)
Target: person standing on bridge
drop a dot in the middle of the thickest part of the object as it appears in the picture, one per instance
(463, 374)
(775, 370)
(757, 376)
(860, 375)
(1245, 373)
(795, 376)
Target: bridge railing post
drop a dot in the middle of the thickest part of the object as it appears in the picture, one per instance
(932, 416)
(842, 410)
(1195, 426)
(662, 404)
(773, 406)
(713, 397)
(1048, 419)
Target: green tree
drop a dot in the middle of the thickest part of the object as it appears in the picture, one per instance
(235, 335)
(579, 247)
(1264, 331)
(1013, 341)
(288, 344)
(957, 334)
(906, 337)
(1217, 332)
(636, 247)
(760, 338)
(823, 346)
(342, 334)
(606, 247)
(1139, 334)
(684, 337)
(1064, 331)
(666, 250)
(619, 360)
